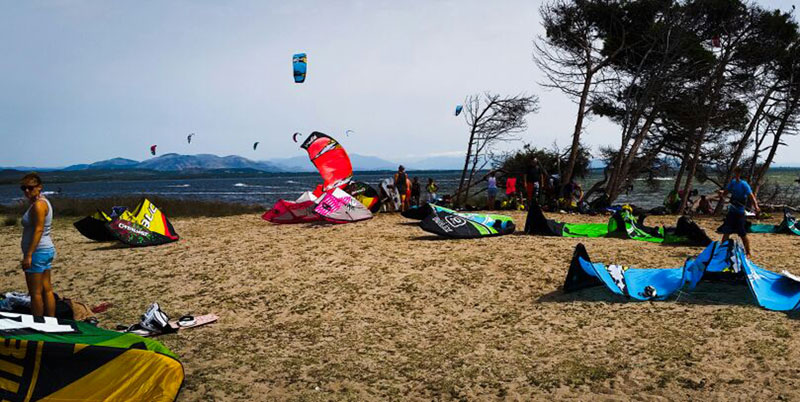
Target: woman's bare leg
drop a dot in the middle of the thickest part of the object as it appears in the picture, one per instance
(34, 282)
(47, 295)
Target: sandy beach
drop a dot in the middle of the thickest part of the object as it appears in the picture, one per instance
(381, 310)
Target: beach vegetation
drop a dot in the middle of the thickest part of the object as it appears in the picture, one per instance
(697, 86)
(492, 119)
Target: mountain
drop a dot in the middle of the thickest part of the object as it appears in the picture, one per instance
(175, 162)
(110, 164)
(115, 163)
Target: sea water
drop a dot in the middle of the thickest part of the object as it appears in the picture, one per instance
(266, 190)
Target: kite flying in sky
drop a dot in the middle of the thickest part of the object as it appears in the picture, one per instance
(299, 62)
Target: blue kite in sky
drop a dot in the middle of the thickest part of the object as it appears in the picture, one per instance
(299, 62)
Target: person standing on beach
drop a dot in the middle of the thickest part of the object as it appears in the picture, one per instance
(432, 188)
(38, 250)
(401, 185)
(534, 179)
(491, 191)
(415, 191)
(735, 220)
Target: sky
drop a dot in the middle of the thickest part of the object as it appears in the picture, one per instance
(83, 81)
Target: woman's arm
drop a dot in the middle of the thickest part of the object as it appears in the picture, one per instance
(39, 211)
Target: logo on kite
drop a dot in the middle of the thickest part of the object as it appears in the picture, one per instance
(295, 135)
(458, 109)
(189, 138)
(152, 149)
(255, 145)
(299, 62)
(455, 221)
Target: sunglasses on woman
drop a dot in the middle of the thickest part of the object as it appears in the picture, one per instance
(27, 188)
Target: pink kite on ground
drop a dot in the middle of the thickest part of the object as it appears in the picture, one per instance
(339, 207)
(298, 211)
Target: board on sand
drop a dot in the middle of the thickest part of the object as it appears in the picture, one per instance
(198, 321)
(176, 325)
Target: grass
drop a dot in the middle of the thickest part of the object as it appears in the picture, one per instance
(171, 207)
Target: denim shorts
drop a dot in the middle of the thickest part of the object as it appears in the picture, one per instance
(492, 192)
(41, 261)
(734, 223)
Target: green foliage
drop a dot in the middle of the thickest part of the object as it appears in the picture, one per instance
(515, 163)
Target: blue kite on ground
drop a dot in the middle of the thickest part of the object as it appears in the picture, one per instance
(772, 291)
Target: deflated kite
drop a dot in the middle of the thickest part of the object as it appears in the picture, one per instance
(45, 358)
(621, 225)
(298, 211)
(365, 194)
(145, 226)
(772, 291)
(459, 225)
(336, 206)
(339, 207)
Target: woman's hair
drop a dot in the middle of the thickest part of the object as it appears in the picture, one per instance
(34, 177)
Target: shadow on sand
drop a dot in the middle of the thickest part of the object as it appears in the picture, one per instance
(706, 293)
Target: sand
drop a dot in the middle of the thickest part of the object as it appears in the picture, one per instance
(381, 310)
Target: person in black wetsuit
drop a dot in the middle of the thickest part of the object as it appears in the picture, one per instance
(534, 179)
(415, 191)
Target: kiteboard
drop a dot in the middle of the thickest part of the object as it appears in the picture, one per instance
(387, 185)
(184, 322)
(188, 321)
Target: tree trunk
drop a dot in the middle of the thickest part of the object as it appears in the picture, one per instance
(742, 145)
(576, 135)
(682, 169)
(776, 142)
(713, 93)
(630, 157)
(466, 166)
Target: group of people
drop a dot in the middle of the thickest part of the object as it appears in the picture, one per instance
(544, 189)
(410, 191)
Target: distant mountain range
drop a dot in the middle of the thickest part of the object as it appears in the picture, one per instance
(178, 163)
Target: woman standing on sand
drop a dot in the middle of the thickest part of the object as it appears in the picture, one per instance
(38, 250)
